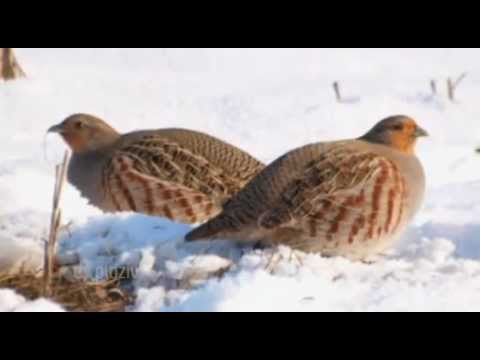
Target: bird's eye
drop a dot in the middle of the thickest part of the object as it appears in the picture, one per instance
(79, 125)
(398, 127)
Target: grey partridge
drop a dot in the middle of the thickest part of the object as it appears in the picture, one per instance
(348, 198)
(180, 174)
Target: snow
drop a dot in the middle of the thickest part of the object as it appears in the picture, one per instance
(12, 302)
(266, 101)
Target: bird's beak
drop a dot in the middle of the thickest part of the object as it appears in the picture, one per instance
(56, 129)
(419, 132)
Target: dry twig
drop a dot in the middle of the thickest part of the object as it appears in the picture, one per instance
(452, 86)
(336, 89)
(55, 221)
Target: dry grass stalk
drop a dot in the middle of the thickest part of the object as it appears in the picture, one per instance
(433, 87)
(9, 67)
(55, 221)
(452, 86)
(336, 89)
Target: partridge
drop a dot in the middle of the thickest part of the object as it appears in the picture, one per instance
(180, 174)
(348, 198)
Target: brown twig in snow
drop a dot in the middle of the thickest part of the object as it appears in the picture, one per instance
(55, 221)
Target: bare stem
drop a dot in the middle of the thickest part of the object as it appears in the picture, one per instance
(9, 67)
(452, 86)
(433, 86)
(55, 222)
(336, 88)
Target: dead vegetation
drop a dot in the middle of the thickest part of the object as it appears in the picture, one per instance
(9, 67)
(452, 86)
(55, 282)
(336, 89)
(73, 294)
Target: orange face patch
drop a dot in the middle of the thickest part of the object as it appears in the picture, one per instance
(404, 140)
(76, 142)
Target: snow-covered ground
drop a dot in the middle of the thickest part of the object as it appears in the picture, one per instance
(10, 301)
(266, 101)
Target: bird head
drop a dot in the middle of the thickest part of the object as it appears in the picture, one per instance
(399, 132)
(84, 133)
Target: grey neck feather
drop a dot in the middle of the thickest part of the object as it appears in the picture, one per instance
(85, 174)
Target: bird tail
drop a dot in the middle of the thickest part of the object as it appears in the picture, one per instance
(207, 231)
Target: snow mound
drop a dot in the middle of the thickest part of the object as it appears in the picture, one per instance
(12, 302)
